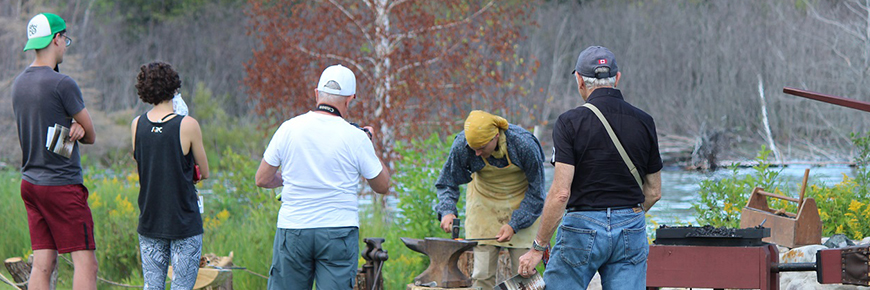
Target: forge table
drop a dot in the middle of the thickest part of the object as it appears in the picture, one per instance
(713, 267)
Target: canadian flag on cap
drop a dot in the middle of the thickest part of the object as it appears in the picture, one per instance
(602, 61)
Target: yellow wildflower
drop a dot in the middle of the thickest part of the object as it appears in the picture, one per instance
(223, 215)
(95, 200)
(855, 206)
(824, 215)
(133, 177)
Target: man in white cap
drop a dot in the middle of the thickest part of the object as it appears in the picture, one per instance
(608, 174)
(321, 158)
(47, 104)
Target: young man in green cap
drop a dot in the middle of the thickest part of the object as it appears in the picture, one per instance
(47, 104)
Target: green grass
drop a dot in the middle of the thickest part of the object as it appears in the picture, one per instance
(15, 235)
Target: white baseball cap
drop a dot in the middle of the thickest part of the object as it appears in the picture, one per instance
(337, 80)
(41, 30)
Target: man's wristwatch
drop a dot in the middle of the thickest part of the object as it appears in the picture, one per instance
(539, 247)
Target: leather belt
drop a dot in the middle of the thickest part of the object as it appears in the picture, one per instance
(589, 208)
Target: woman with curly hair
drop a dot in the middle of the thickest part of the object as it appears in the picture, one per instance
(167, 148)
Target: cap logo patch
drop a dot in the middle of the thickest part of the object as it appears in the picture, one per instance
(602, 61)
(31, 30)
(332, 85)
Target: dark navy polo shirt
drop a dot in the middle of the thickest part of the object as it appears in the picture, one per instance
(601, 178)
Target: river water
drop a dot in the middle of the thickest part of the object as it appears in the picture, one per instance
(680, 188)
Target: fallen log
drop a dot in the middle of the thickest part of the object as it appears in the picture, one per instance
(19, 270)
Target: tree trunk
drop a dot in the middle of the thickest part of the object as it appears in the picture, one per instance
(767, 131)
(19, 269)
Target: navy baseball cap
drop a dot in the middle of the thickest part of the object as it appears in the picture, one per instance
(595, 57)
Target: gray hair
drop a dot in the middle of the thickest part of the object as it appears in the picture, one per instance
(330, 98)
(592, 83)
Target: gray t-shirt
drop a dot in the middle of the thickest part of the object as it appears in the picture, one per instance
(42, 98)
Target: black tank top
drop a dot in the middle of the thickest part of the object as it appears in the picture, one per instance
(167, 199)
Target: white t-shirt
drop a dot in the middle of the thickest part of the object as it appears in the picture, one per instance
(322, 158)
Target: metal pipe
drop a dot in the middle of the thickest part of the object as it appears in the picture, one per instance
(845, 102)
(794, 267)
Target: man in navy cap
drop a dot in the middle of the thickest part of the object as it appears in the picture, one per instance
(608, 174)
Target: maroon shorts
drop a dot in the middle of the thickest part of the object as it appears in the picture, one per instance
(59, 217)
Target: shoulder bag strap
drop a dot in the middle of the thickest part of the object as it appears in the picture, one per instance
(616, 143)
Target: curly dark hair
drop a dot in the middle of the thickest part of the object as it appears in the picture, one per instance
(157, 82)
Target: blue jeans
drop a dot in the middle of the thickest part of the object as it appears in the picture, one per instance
(611, 242)
(327, 255)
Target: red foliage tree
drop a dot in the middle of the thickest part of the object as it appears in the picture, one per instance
(421, 65)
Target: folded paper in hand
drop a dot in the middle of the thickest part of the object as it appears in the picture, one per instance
(58, 140)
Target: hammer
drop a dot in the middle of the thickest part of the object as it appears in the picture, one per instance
(455, 234)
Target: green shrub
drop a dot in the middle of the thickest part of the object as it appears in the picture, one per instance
(862, 162)
(843, 207)
(241, 218)
(220, 131)
(414, 183)
(720, 201)
(115, 210)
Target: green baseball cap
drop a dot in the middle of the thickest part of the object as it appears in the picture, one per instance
(41, 30)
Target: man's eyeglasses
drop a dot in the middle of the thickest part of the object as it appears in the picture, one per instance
(67, 40)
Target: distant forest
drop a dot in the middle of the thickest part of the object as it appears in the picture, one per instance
(700, 68)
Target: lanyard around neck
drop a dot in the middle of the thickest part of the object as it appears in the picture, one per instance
(328, 109)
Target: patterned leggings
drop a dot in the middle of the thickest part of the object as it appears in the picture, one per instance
(156, 255)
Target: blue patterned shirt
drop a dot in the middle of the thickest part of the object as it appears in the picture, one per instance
(524, 151)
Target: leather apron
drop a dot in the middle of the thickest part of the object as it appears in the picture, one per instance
(493, 194)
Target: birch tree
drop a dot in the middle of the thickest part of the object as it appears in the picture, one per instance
(420, 65)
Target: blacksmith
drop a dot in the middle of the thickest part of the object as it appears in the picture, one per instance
(503, 166)
(602, 186)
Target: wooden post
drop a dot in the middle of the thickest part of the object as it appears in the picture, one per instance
(225, 262)
(19, 269)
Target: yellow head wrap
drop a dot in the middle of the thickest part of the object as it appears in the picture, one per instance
(481, 127)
